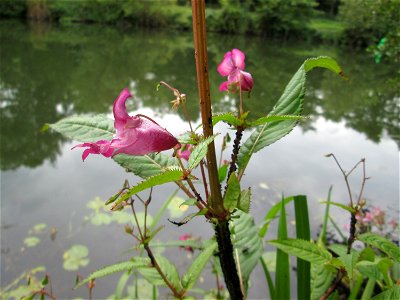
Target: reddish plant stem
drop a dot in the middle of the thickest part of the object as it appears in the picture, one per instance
(222, 231)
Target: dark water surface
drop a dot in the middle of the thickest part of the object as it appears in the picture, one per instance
(48, 73)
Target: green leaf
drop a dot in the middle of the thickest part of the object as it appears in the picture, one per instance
(381, 243)
(119, 290)
(189, 202)
(167, 176)
(76, 257)
(222, 172)
(199, 152)
(190, 278)
(232, 193)
(349, 261)
(268, 261)
(343, 206)
(146, 166)
(271, 215)
(367, 254)
(247, 242)
(244, 200)
(391, 293)
(176, 207)
(169, 270)
(229, 118)
(189, 217)
(304, 249)
(369, 269)
(45, 280)
(85, 128)
(341, 249)
(137, 262)
(322, 236)
(290, 103)
(302, 232)
(274, 118)
(31, 241)
(282, 275)
(321, 279)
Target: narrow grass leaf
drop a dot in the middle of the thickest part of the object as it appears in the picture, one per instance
(322, 236)
(274, 210)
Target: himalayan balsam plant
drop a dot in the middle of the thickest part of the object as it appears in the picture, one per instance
(137, 144)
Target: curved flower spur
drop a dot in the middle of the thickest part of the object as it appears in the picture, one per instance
(135, 135)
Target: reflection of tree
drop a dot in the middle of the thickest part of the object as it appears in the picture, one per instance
(48, 73)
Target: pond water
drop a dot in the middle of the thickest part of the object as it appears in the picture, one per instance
(50, 72)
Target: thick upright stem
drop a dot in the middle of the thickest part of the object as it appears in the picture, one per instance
(222, 232)
(200, 49)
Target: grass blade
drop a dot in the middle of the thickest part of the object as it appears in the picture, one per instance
(302, 232)
(282, 275)
(322, 235)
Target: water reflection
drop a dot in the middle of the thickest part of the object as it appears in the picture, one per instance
(51, 72)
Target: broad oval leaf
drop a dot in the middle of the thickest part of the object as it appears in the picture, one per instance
(290, 103)
(321, 279)
(147, 165)
(232, 194)
(381, 243)
(85, 128)
(304, 249)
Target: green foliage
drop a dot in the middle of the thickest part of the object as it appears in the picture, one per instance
(232, 194)
(85, 128)
(199, 152)
(162, 178)
(147, 165)
(321, 279)
(191, 276)
(245, 200)
(304, 249)
(290, 103)
(391, 293)
(381, 243)
(31, 241)
(367, 22)
(76, 257)
(247, 242)
(137, 262)
(282, 275)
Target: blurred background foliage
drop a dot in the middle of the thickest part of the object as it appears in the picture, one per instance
(357, 23)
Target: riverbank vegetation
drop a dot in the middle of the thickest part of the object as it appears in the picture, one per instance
(362, 24)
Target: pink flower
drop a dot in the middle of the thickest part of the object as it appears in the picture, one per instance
(232, 66)
(184, 152)
(135, 135)
(186, 237)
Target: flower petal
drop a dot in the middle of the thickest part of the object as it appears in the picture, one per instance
(246, 81)
(223, 86)
(119, 109)
(238, 59)
(145, 138)
(226, 66)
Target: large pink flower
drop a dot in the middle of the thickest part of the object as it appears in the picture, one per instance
(135, 135)
(232, 66)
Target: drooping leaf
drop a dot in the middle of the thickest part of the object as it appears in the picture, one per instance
(381, 243)
(244, 200)
(169, 270)
(190, 278)
(321, 279)
(232, 193)
(199, 152)
(137, 262)
(282, 275)
(303, 249)
(147, 165)
(290, 103)
(165, 177)
(247, 242)
(85, 128)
